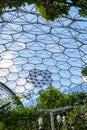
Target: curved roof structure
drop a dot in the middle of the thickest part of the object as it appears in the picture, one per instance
(6, 90)
(35, 53)
(5, 93)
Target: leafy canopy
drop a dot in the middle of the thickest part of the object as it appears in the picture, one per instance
(50, 98)
(49, 9)
(15, 116)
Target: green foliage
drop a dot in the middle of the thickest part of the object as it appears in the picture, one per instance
(84, 71)
(2, 126)
(53, 98)
(76, 98)
(14, 116)
(49, 9)
(77, 118)
(19, 119)
(50, 98)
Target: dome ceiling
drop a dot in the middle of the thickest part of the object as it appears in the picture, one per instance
(35, 53)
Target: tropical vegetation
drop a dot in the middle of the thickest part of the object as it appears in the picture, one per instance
(84, 71)
(49, 9)
(14, 116)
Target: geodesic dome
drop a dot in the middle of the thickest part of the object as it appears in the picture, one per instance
(5, 94)
(35, 53)
(6, 91)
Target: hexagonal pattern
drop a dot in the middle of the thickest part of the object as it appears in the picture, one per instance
(36, 53)
(40, 77)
